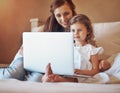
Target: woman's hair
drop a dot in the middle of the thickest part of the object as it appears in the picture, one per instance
(83, 19)
(51, 24)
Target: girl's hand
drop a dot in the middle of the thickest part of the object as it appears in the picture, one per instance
(78, 71)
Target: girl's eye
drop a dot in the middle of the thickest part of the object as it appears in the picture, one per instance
(72, 30)
(80, 30)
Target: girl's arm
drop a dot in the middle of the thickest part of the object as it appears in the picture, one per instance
(95, 67)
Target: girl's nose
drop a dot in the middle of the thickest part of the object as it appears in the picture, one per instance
(76, 32)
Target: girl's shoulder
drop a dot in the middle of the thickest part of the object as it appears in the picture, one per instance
(89, 46)
(94, 50)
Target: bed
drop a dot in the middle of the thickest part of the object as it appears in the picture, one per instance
(15, 86)
(108, 36)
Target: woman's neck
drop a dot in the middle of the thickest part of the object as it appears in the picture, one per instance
(66, 29)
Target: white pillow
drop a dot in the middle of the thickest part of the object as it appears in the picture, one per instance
(108, 36)
(115, 69)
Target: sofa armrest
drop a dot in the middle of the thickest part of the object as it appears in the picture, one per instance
(3, 65)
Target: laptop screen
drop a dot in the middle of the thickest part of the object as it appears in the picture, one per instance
(41, 48)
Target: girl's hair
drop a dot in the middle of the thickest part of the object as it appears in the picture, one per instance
(51, 24)
(83, 19)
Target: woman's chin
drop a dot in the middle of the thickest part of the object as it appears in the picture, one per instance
(65, 26)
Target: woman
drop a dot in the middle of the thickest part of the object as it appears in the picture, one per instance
(61, 12)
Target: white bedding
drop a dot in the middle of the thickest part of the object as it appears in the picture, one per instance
(15, 86)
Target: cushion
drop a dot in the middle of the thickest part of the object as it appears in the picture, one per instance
(108, 36)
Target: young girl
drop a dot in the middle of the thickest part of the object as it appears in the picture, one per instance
(86, 52)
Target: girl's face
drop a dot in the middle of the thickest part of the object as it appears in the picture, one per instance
(63, 14)
(80, 32)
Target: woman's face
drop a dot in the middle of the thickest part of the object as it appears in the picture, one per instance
(63, 14)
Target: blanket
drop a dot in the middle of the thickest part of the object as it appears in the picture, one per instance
(15, 86)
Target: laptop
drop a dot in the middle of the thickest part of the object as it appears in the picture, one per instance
(41, 48)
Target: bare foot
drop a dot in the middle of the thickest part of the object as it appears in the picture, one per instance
(51, 77)
(48, 72)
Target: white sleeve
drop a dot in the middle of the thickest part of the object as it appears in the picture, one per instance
(98, 50)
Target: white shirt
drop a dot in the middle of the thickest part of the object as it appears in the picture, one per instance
(82, 56)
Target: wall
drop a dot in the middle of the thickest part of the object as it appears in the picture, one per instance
(15, 16)
(99, 10)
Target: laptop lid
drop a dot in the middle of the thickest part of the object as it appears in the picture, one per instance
(41, 48)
